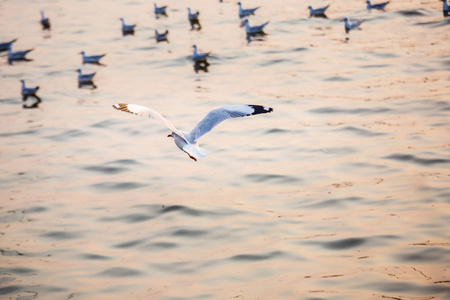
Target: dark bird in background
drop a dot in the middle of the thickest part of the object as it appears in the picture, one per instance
(45, 22)
(5, 46)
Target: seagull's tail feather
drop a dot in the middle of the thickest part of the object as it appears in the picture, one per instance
(195, 151)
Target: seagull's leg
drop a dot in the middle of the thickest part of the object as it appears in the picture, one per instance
(192, 157)
(37, 98)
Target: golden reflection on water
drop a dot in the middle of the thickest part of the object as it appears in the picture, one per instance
(340, 193)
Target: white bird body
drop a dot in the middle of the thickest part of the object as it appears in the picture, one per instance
(192, 16)
(188, 142)
(92, 58)
(244, 12)
(379, 6)
(28, 91)
(196, 56)
(126, 27)
(85, 78)
(351, 24)
(253, 29)
(318, 11)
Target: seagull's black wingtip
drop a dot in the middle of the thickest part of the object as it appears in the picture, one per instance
(259, 109)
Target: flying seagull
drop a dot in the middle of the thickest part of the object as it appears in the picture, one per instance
(92, 59)
(244, 12)
(379, 6)
(188, 141)
(317, 12)
(351, 24)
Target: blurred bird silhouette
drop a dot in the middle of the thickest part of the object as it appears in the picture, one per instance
(92, 59)
(351, 24)
(160, 11)
(318, 12)
(127, 29)
(193, 19)
(27, 91)
(85, 79)
(445, 8)
(253, 30)
(45, 22)
(199, 57)
(245, 12)
(379, 6)
(161, 36)
(4, 46)
(18, 55)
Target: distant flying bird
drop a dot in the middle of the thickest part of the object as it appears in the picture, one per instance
(188, 141)
(351, 24)
(45, 22)
(127, 28)
(445, 8)
(160, 10)
(4, 46)
(18, 55)
(379, 6)
(244, 12)
(85, 78)
(317, 12)
(161, 36)
(257, 29)
(92, 59)
(193, 18)
(199, 57)
(26, 91)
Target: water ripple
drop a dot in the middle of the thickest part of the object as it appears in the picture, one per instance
(273, 178)
(354, 111)
(118, 272)
(417, 160)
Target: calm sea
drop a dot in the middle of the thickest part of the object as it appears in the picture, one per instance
(343, 192)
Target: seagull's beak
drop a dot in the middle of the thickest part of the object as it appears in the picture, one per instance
(169, 135)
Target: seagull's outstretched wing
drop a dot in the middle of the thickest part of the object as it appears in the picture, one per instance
(145, 112)
(214, 117)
